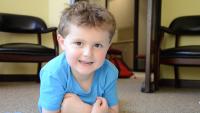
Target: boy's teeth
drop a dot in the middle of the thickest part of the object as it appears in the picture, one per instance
(85, 62)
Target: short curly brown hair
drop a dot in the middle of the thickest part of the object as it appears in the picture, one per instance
(88, 15)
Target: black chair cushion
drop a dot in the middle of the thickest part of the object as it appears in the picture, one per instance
(181, 52)
(25, 49)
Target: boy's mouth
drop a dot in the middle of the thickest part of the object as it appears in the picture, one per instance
(85, 62)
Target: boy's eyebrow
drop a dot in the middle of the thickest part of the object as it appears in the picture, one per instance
(77, 39)
(82, 40)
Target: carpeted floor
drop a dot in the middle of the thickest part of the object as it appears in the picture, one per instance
(16, 97)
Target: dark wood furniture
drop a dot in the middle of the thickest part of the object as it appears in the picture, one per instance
(152, 79)
(153, 24)
(26, 52)
(180, 55)
(136, 33)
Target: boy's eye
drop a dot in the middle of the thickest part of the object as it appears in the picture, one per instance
(98, 45)
(78, 43)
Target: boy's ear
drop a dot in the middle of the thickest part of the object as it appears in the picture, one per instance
(61, 41)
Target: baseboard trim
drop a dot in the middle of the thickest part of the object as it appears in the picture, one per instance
(18, 77)
(183, 83)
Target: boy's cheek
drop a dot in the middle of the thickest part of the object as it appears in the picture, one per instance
(101, 56)
(72, 54)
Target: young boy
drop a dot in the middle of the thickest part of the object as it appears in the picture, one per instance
(81, 80)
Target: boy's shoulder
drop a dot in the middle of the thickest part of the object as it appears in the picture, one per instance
(57, 64)
(108, 69)
(55, 69)
(107, 74)
(109, 66)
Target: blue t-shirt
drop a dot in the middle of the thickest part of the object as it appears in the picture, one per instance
(57, 80)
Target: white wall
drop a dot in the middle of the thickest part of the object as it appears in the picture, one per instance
(123, 12)
(55, 9)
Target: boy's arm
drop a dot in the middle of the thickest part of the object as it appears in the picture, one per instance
(86, 108)
(46, 111)
(77, 108)
(73, 104)
(101, 106)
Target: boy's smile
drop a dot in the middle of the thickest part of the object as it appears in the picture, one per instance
(85, 62)
(85, 48)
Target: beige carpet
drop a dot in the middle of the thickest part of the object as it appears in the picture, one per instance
(16, 97)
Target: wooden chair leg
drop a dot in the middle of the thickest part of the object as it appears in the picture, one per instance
(176, 81)
(38, 72)
(157, 74)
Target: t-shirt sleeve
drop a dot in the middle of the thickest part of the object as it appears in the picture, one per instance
(111, 87)
(51, 92)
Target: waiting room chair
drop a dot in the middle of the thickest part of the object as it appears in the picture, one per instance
(26, 52)
(179, 55)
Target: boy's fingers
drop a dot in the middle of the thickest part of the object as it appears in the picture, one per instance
(98, 102)
(103, 101)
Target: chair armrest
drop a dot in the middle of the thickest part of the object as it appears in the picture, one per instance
(167, 30)
(51, 29)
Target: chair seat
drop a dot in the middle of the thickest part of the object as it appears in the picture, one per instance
(181, 52)
(25, 49)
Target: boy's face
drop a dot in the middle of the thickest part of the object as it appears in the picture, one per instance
(85, 48)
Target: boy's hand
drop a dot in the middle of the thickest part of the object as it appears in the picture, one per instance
(100, 106)
(73, 104)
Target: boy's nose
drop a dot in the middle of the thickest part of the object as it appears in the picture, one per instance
(87, 51)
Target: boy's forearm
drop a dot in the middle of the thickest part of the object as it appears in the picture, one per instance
(86, 108)
(83, 108)
(46, 111)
